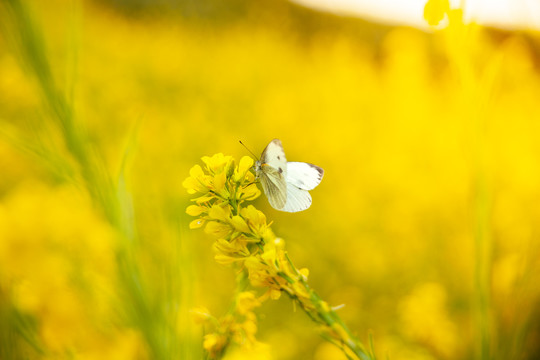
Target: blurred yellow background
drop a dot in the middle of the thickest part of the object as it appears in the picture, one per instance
(425, 225)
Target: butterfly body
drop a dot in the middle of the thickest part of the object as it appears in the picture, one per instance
(286, 184)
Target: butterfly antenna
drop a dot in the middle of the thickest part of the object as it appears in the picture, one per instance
(251, 152)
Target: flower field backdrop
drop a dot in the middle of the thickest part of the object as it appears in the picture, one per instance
(426, 224)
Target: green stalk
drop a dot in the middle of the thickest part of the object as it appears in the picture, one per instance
(33, 56)
(474, 102)
(319, 311)
(150, 320)
(330, 318)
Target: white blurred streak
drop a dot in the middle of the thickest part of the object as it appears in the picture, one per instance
(508, 14)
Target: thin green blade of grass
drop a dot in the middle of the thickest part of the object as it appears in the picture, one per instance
(146, 315)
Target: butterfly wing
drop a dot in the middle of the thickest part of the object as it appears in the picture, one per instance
(274, 156)
(297, 199)
(274, 186)
(304, 175)
(273, 172)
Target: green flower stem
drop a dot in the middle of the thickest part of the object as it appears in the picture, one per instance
(319, 309)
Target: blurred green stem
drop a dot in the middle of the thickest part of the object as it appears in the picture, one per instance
(320, 312)
(475, 96)
(108, 198)
(32, 53)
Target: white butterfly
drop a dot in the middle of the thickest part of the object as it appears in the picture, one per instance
(286, 184)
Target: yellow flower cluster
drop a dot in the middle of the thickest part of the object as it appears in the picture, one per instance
(223, 189)
(245, 239)
(238, 327)
(222, 185)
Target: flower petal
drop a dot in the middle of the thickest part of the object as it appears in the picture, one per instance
(195, 210)
(195, 224)
(217, 229)
(220, 213)
(240, 224)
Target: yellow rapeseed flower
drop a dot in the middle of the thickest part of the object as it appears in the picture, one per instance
(214, 343)
(197, 181)
(238, 327)
(220, 213)
(218, 229)
(218, 163)
(195, 210)
(240, 224)
(256, 221)
(240, 173)
(195, 224)
(246, 301)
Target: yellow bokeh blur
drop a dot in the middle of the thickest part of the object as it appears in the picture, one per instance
(425, 226)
